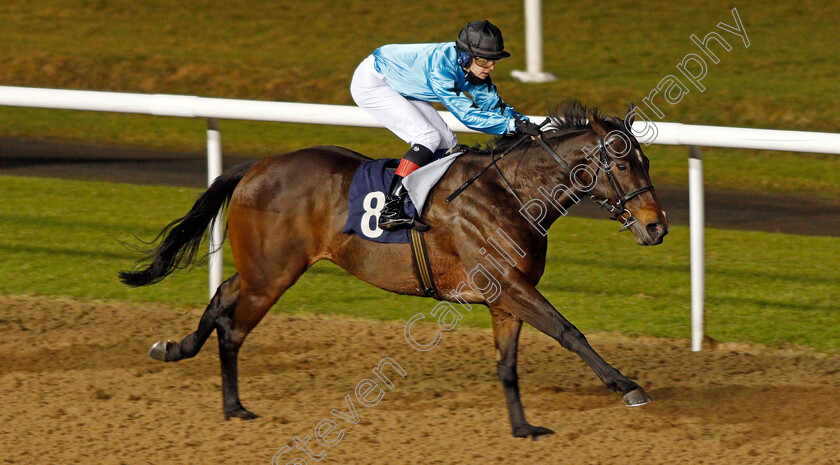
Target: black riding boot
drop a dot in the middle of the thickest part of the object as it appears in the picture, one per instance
(393, 216)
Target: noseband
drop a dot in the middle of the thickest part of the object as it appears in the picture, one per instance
(618, 209)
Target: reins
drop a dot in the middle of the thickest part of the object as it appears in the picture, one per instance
(470, 181)
(617, 210)
(508, 186)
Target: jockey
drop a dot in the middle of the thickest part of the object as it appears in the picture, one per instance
(396, 83)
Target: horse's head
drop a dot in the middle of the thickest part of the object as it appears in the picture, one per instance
(622, 184)
(612, 169)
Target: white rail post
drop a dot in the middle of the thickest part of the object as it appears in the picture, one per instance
(696, 223)
(533, 46)
(214, 170)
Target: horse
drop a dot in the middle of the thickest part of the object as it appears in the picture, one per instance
(286, 212)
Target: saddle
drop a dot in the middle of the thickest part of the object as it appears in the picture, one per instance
(367, 198)
(368, 191)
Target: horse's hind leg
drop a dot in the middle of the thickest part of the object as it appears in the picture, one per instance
(224, 300)
(233, 327)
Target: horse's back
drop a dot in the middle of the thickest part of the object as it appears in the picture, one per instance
(315, 175)
(294, 204)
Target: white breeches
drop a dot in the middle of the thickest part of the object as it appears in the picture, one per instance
(413, 121)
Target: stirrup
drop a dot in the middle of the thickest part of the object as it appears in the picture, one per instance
(418, 225)
(458, 149)
(393, 216)
(393, 224)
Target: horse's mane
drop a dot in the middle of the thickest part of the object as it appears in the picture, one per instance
(570, 116)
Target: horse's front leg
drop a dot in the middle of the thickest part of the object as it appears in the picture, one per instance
(524, 301)
(506, 334)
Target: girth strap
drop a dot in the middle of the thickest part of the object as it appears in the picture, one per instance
(420, 259)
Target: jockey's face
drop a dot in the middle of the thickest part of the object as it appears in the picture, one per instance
(482, 72)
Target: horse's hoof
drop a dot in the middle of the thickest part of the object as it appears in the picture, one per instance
(240, 413)
(535, 432)
(158, 351)
(636, 398)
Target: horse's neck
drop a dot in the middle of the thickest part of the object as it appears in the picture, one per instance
(536, 179)
(543, 184)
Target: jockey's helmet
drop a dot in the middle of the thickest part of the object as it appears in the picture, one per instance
(480, 39)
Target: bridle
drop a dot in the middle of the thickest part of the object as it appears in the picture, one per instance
(618, 210)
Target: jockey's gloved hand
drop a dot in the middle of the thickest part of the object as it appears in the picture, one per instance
(527, 128)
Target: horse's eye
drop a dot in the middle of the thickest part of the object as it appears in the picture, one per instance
(622, 167)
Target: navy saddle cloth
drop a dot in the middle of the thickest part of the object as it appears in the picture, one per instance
(367, 198)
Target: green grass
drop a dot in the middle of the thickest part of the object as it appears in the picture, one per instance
(606, 54)
(62, 237)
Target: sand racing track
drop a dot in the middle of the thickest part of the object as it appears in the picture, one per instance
(78, 387)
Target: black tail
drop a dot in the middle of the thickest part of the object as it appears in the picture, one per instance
(183, 236)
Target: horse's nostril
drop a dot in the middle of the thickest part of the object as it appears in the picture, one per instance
(654, 230)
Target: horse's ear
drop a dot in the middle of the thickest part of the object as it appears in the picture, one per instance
(630, 118)
(597, 124)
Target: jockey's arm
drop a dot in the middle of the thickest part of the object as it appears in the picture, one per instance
(486, 96)
(444, 84)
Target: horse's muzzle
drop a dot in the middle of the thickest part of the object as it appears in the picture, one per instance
(655, 232)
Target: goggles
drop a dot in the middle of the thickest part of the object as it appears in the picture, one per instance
(484, 62)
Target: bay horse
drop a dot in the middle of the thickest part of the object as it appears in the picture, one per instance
(287, 212)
